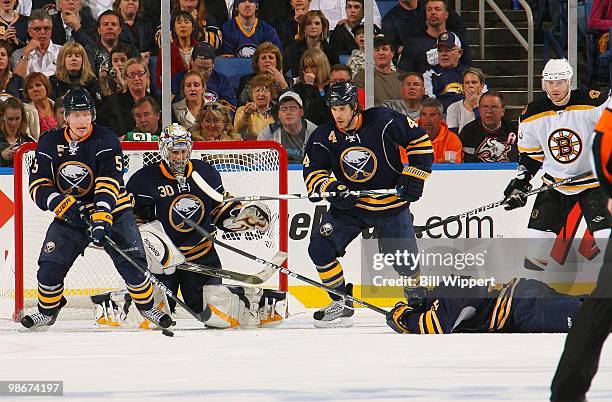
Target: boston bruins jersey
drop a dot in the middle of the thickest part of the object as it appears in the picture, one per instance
(367, 158)
(557, 137)
(159, 196)
(90, 169)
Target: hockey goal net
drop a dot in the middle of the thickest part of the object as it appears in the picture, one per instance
(246, 168)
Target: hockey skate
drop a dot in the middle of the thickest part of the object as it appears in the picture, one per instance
(158, 317)
(42, 321)
(338, 314)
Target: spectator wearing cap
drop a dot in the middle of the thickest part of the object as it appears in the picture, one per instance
(73, 22)
(214, 123)
(466, 110)
(406, 21)
(420, 54)
(342, 38)
(386, 81)
(335, 11)
(267, 60)
(413, 91)
(40, 53)
(217, 84)
(254, 116)
(313, 33)
(444, 81)
(109, 28)
(292, 130)
(243, 33)
(446, 144)
(146, 113)
(491, 137)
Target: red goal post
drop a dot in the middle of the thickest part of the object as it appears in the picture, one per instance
(246, 168)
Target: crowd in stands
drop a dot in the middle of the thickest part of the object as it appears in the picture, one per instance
(111, 47)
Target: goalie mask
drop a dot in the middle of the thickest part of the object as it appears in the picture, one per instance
(175, 148)
(561, 72)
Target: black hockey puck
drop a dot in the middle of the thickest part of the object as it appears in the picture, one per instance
(168, 333)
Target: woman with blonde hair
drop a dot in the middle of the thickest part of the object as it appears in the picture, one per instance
(254, 116)
(214, 124)
(313, 33)
(268, 60)
(13, 130)
(184, 112)
(74, 71)
(313, 85)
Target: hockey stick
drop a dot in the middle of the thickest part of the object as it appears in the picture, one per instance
(251, 279)
(212, 193)
(282, 269)
(153, 279)
(420, 229)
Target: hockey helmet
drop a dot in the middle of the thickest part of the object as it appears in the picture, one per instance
(78, 100)
(174, 138)
(342, 93)
(558, 70)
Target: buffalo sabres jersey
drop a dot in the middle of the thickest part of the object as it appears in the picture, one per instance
(90, 169)
(367, 158)
(160, 196)
(240, 43)
(557, 136)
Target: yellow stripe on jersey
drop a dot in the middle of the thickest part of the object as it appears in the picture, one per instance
(380, 208)
(335, 270)
(509, 306)
(539, 115)
(421, 324)
(429, 322)
(104, 185)
(436, 322)
(580, 107)
(534, 149)
(423, 138)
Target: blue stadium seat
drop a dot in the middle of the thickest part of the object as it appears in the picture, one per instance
(385, 6)
(233, 68)
(153, 74)
(343, 58)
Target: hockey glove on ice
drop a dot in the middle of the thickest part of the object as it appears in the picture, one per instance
(68, 209)
(396, 318)
(101, 226)
(411, 182)
(515, 192)
(343, 200)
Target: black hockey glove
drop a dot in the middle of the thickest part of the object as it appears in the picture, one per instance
(344, 199)
(396, 318)
(101, 226)
(411, 182)
(515, 192)
(68, 209)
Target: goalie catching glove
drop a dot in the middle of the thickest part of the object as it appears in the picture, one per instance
(252, 216)
(411, 182)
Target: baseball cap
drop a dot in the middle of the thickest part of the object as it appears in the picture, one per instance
(448, 39)
(290, 95)
(241, 1)
(380, 40)
(203, 51)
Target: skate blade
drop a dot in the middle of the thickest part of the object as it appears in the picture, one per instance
(342, 322)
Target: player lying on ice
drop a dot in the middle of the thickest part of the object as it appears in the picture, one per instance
(521, 305)
(360, 150)
(166, 192)
(78, 174)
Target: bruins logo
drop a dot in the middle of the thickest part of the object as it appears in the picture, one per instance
(358, 164)
(74, 178)
(594, 94)
(185, 206)
(565, 145)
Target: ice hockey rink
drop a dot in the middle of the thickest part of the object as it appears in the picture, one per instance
(294, 362)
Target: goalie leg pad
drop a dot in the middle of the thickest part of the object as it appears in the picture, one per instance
(231, 306)
(272, 308)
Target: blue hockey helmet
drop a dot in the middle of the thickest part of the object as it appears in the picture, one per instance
(342, 93)
(78, 100)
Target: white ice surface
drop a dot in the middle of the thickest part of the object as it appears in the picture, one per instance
(294, 362)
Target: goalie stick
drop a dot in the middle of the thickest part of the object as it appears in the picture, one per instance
(215, 195)
(420, 229)
(282, 269)
(251, 279)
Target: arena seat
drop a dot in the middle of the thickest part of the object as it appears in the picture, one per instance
(385, 5)
(233, 68)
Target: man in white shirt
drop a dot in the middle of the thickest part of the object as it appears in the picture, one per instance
(40, 53)
(335, 11)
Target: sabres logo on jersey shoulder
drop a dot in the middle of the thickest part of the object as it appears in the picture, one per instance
(565, 145)
(74, 178)
(186, 206)
(358, 164)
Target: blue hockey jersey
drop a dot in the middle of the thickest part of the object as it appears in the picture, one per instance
(240, 43)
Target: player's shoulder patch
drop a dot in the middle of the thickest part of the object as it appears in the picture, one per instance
(591, 97)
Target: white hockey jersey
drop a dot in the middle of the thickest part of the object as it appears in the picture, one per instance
(558, 136)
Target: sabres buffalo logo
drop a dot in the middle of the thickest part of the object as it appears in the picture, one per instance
(565, 145)
(492, 150)
(246, 51)
(186, 206)
(358, 164)
(74, 178)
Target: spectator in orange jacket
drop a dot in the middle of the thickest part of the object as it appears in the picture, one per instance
(446, 144)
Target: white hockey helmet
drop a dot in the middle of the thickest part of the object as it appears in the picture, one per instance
(558, 70)
(173, 138)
